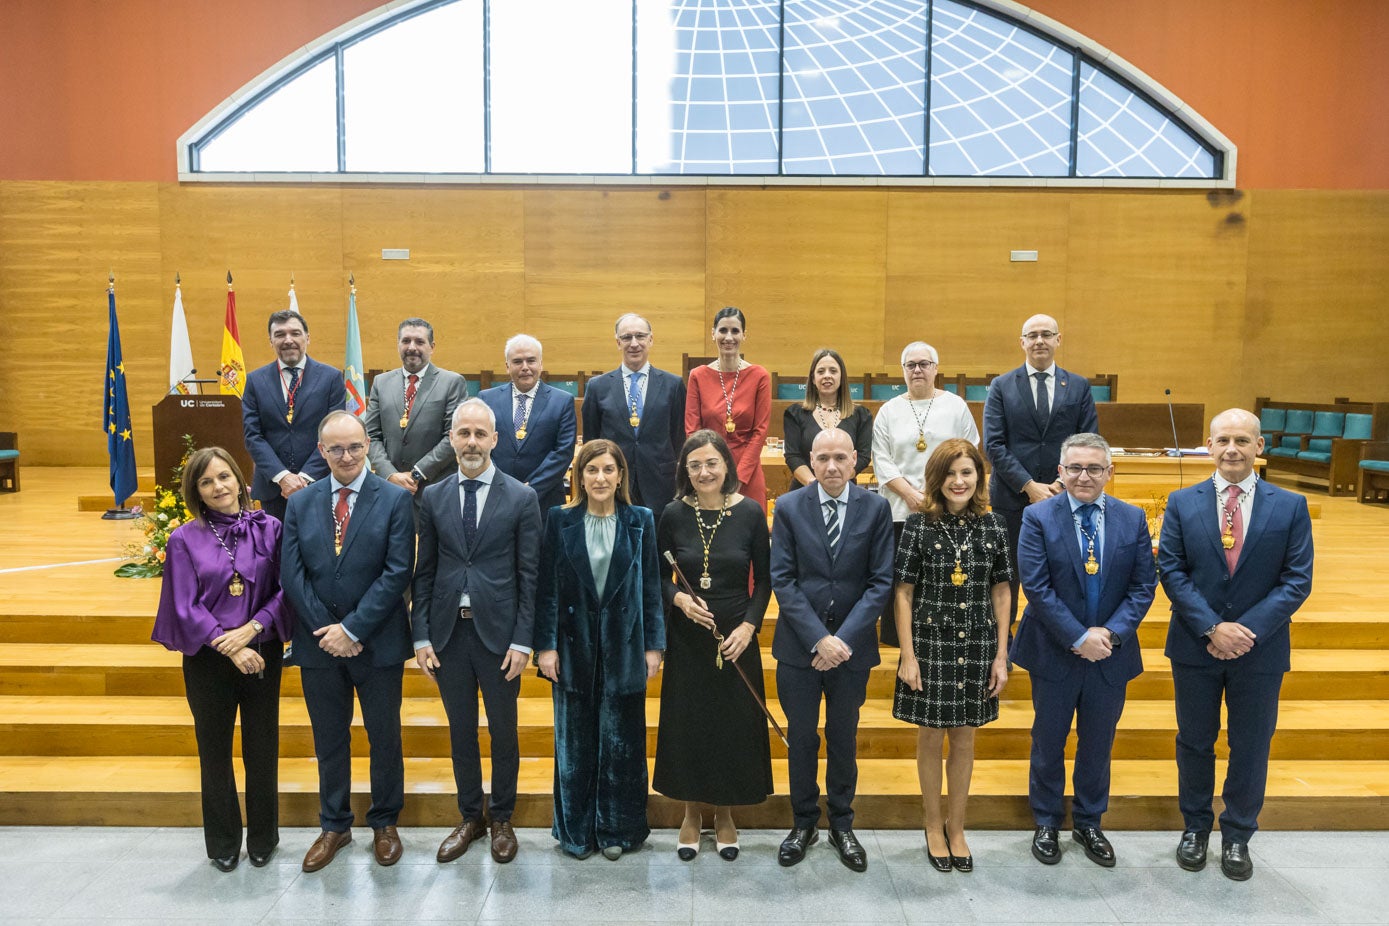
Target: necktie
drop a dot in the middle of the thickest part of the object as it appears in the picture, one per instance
(1043, 406)
(341, 515)
(293, 380)
(1089, 529)
(1234, 520)
(410, 393)
(518, 420)
(634, 401)
(832, 525)
(470, 487)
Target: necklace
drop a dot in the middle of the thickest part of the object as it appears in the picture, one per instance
(707, 540)
(823, 415)
(921, 422)
(958, 576)
(236, 588)
(525, 415)
(1092, 565)
(1227, 531)
(728, 395)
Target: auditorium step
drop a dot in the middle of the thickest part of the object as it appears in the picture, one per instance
(163, 791)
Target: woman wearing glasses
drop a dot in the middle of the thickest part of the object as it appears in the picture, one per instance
(733, 398)
(827, 404)
(712, 746)
(906, 430)
(952, 608)
(222, 607)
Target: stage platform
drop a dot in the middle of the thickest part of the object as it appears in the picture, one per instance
(94, 728)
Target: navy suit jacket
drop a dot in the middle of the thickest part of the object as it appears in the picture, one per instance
(1271, 580)
(499, 571)
(1052, 573)
(818, 594)
(1018, 446)
(653, 448)
(274, 443)
(363, 588)
(616, 629)
(542, 459)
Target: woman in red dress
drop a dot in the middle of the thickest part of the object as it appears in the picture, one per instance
(733, 398)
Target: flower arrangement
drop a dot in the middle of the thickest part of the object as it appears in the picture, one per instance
(167, 513)
(1155, 509)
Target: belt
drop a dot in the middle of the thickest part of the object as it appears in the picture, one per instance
(465, 614)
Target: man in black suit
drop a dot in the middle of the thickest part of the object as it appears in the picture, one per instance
(349, 546)
(642, 410)
(409, 410)
(280, 410)
(832, 574)
(474, 611)
(1028, 413)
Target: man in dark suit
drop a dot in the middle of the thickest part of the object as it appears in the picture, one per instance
(832, 574)
(1087, 570)
(1236, 562)
(409, 410)
(1028, 413)
(642, 410)
(536, 425)
(349, 546)
(280, 410)
(474, 612)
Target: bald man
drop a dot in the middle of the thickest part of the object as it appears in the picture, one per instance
(1030, 411)
(1236, 562)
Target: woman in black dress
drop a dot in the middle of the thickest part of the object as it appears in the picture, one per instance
(827, 404)
(712, 745)
(952, 606)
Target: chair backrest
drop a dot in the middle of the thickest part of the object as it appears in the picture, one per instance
(856, 391)
(1328, 424)
(1299, 421)
(952, 387)
(1358, 426)
(1273, 419)
(976, 393)
(1100, 393)
(570, 386)
(884, 391)
(794, 391)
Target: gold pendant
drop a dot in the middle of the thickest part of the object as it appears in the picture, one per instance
(959, 576)
(521, 434)
(921, 445)
(1091, 567)
(404, 420)
(634, 421)
(236, 587)
(289, 416)
(1227, 541)
(729, 426)
(337, 547)
(718, 655)
(705, 581)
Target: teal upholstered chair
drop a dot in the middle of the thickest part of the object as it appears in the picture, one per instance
(9, 461)
(1374, 471)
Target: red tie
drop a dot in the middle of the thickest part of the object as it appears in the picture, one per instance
(341, 515)
(410, 394)
(1234, 519)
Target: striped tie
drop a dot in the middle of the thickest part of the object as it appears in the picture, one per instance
(832, 524)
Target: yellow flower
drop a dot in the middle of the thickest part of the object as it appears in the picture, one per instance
(159, 555)
(174, 523)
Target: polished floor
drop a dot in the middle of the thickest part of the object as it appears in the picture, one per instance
(160, 875)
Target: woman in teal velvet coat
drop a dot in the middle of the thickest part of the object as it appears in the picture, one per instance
(599, 636)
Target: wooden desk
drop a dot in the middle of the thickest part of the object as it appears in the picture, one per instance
(1140, 477)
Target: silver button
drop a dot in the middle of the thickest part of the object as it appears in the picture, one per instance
(962, 606)
(960, 661)
(962, 634)
(959, 684)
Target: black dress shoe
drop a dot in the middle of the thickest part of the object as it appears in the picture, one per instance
(940, 863)
(1191, 851)
(1097, 848)
(963, 863)
(1046, 845)
(260, 859)
(1235, 862)
(851, 851)
(228, 863)
(794, 845)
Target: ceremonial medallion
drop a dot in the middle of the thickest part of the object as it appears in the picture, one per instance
(521, 434)
(1091, 567)
(404, 420)
(236, 587)
(289, 416)
(1227, 541)
(705, 581)
(921, 445)
(958, 576)
(729, 426)
(634, 421)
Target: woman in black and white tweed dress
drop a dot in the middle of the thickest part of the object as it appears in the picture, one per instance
(952, 607)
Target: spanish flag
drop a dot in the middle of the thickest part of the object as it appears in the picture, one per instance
(232, 372)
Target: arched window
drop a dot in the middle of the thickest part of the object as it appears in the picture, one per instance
(883, 91)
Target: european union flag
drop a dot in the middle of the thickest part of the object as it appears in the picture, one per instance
(120, 442)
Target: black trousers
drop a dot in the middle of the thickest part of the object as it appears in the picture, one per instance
(328, 693)
(466, 666)
(216, 690)
(800, 690)
(1096, 706)
(887, 629)
(1012, 521)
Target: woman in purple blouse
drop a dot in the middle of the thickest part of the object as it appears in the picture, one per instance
(222, 607)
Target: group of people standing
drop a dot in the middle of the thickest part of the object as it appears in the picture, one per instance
(458, 546)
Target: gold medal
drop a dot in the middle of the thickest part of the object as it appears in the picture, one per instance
(1091, 567)
(634, 421)
(1227, 541)
(404, 420)
(958, 576)
(705, 581)
(337, 547)
(729, 426)
(521, 434)
(289, 416)
(236, 587)
(921, 445)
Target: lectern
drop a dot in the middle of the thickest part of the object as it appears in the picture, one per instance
(211, 421)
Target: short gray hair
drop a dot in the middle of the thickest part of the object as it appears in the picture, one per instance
(334, 415)
(920, 345)
(1088, 440)
(473, 402)
(626, 315)
(521, 340)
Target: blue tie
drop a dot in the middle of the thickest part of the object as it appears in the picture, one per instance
(634, 401)
(1092, 582)
(519, 418)
(470, 487)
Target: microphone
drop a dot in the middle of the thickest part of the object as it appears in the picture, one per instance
(1176, 450)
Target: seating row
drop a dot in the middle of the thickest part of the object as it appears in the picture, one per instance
(9, 461)
(1324, 440)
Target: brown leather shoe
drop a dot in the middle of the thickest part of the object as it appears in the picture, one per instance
(386, 843)
(457, 842)
(503, 841)
(324, 848)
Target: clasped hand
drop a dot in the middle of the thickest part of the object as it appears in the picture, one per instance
(830, 652)
(335, 642)
(233, 640)
(1095, 646)
(1230, 640)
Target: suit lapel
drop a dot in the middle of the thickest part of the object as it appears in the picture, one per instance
(366, 498)
(1264, 500)
(497, 496)
(1112, 529)
(1065, 525)
(1024, 388)
(576, 549)
(625, 543)
(421, 392)
(453, 511)
(1207, 518)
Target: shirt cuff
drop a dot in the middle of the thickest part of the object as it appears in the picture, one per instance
(350, 635)
(520, 649)
(421, 644)
(1080, 640)
(278, 476)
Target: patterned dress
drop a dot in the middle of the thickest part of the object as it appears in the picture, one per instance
(954, 631)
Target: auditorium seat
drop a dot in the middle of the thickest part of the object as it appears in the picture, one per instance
(1374, 471)
(9, 461)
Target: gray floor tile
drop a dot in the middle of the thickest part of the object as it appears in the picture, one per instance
(1000, 894)
(192, 889)
(1345, 895)
(1300, 850)
(818, 889)
(1174, 896)
(592, 889)
(32, 886)
(359, 893)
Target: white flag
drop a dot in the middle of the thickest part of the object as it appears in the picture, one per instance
(180, 350)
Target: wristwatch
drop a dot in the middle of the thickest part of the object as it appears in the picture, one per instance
(418, 476)
(1209, 630)
(1115, 640)
(258, 626)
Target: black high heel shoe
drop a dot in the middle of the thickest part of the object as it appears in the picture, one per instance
(940, 863)
(963, 863)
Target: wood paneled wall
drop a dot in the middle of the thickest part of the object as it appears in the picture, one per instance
(1219, 296)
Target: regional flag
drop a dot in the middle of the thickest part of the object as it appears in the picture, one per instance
(180, 349)
(352, 366)
(232, 372)
(120, 442)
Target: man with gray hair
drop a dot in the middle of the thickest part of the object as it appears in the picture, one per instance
(1087, 570)
(536, 424)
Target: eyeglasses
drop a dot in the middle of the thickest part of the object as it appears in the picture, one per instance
(1094, 470)
(630, 338)
(918, 366)
(337, 453)
(695, 466)
(1039, 335)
